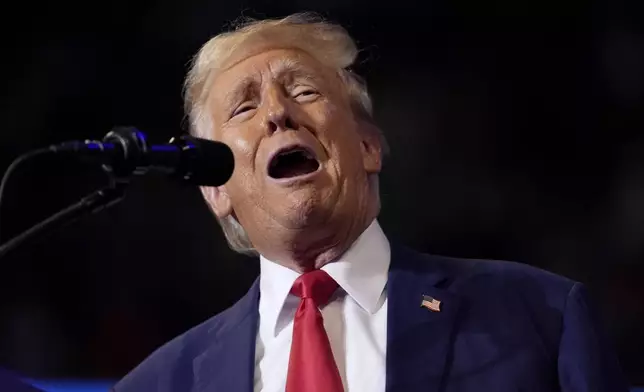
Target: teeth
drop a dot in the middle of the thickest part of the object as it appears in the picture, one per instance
(302, 151)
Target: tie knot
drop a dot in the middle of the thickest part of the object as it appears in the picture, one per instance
(316, 285)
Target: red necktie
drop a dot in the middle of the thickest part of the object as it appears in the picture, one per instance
(311, 366)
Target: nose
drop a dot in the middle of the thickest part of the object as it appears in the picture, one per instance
(279, 115)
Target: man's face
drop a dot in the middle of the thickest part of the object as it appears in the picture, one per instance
(301, 157)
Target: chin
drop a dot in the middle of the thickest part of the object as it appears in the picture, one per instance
(304, 207)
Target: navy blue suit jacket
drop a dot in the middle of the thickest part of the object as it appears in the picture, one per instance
(503, 327)
(10, 382)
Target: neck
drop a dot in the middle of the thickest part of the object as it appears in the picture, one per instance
(311, 249)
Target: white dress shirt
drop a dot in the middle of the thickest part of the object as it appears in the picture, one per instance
(355, 318)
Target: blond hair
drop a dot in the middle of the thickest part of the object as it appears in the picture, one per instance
(326, 42)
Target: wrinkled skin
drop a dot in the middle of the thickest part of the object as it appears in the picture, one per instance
(285, 97)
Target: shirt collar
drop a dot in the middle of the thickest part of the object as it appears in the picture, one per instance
(362, 272)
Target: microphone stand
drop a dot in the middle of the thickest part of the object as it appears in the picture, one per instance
(125, 152)
(90, 204)
(131, 143)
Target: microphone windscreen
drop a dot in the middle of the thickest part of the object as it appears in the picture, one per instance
(212, 164)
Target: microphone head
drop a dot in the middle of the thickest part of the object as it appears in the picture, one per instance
(204, 162)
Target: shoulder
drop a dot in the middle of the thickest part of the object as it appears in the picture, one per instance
(503, 273)
(507, 300)
(513, 282)
(503, 281)
(170, 367)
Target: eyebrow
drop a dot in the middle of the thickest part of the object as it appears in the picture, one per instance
(239, 90)
(292, 69)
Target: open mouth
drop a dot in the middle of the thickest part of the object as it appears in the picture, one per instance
(292, 162)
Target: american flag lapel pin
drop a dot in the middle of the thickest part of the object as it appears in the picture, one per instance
(431, 303)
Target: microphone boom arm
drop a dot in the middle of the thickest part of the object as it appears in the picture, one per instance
(90, 204)
(124, 152)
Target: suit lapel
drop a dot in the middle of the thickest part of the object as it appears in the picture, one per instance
(228, 363)
(419, 341)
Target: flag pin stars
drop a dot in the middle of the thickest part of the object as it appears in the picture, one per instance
(431, 303)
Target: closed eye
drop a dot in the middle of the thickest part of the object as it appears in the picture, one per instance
(304, 93)
(242, 109)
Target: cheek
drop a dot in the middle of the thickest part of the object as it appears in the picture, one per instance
(244, 152)
(242, 189)
(328, 112)
(335, 124)
(341, 136)
(243, 148)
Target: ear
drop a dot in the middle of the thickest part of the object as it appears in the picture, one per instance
(371, 148)
(218, 200)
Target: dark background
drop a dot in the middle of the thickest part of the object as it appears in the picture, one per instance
(516, 127)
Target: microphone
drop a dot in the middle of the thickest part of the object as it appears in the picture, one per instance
(124, 151)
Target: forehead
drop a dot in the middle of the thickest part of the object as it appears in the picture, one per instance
(277, 64)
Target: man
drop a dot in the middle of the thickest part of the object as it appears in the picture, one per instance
(336, 306)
